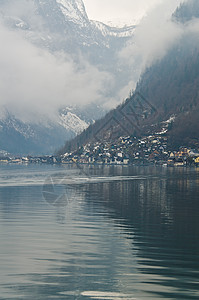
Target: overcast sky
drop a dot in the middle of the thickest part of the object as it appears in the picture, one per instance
(127, 11)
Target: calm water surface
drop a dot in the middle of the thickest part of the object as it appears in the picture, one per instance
(99, 233)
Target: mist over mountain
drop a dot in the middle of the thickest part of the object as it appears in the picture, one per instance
(53, 57)
(169, 84)
(172, 83)
(67, 49)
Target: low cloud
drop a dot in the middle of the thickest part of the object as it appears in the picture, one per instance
(34, 82)
(154, 36)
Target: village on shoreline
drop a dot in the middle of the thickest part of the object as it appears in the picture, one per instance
(125, 151)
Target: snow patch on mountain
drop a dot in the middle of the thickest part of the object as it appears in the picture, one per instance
(114, 31)
(73, 10)
(81, 7)
(72, 122)
(12, 123)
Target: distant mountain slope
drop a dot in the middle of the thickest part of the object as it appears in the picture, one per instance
(19, 138)
(22, 138)
(47, 136)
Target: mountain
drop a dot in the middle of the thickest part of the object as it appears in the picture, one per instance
(18, 137)
(64, 25)
(21, 138)
(168, 90)
(172, 87)
(61, 26)
(47, 136)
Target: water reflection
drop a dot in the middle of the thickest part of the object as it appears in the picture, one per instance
(163, 216)
(124, 239)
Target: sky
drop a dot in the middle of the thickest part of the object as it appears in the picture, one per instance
(119, 11)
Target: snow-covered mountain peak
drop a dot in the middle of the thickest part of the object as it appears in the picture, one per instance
(73, 9)
(77, 4)
(65, 22)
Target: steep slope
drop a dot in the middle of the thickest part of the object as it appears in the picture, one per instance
(172, 87)
(172, 84)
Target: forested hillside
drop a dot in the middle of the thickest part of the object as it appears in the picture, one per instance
(187, 11)
(172, 84)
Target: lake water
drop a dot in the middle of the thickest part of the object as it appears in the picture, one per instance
(99, 233)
